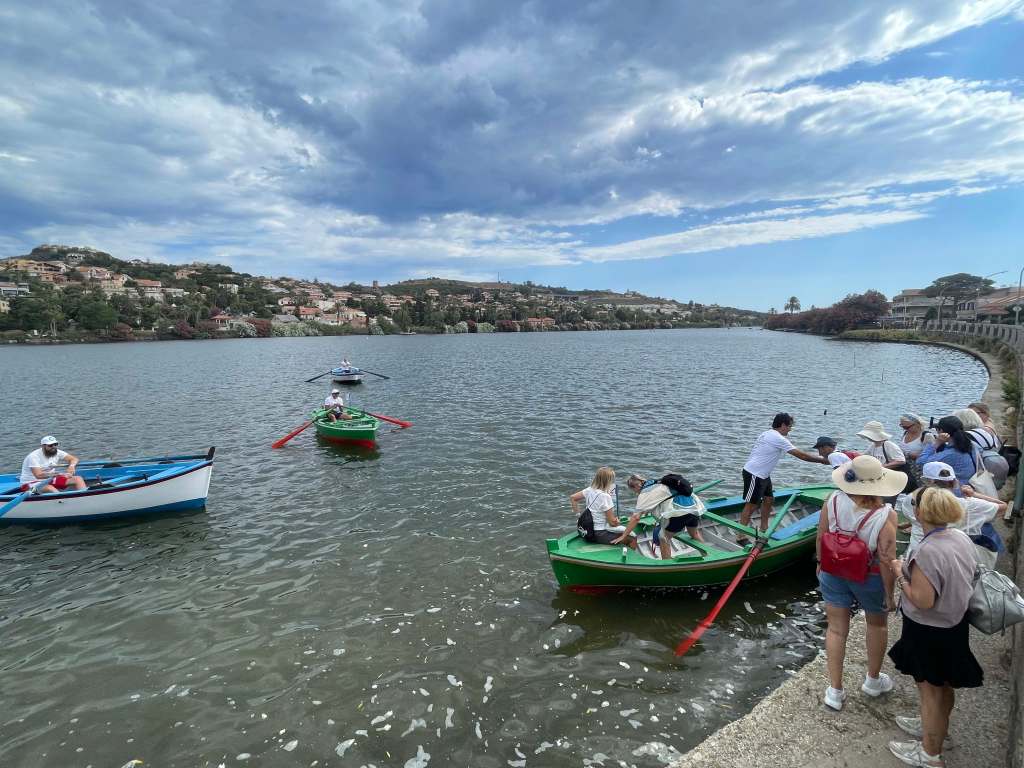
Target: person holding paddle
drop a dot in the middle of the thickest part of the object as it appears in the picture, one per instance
(335, 405)
(768, 449)
(39, 469)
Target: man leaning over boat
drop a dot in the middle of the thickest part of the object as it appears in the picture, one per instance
(39, 469)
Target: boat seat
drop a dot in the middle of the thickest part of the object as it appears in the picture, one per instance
(799, 526)
(719, 541)
(648, 548)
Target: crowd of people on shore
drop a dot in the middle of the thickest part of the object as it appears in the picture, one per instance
(939, 482)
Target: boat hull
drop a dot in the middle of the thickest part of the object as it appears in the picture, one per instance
(347, 375)
(576, 563)
(361, 430)
(183, 490)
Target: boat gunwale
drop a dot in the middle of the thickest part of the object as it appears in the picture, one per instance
(132, 486)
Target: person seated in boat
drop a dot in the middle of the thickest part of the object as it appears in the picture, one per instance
(598, 521)
(39, 469)
(672, 502)
(345, 364)
(335, 405)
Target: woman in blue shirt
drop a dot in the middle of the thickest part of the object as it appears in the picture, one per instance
(954, 447)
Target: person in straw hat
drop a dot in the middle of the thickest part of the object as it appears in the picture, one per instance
(882, 447)
(858, 507)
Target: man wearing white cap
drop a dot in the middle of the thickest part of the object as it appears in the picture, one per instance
(39, 469)
(335, 405)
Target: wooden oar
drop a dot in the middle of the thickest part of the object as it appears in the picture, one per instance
(318, 377)
(399, 422)
(375, 374)
(280, 443)
(706, 622)
(15, 502)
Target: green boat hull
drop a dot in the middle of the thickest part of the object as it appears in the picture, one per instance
(359, 430)
(577, 563)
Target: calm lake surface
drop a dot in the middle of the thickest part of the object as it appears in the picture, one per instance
(394, 608)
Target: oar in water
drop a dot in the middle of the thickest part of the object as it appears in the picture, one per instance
(399, 422)
(318, 377)
(15, 502)
(706, 622)
(280, 443)
(375, 374)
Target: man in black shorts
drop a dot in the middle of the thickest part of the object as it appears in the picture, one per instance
(768, 449)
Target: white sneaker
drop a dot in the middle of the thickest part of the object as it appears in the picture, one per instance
(912, 727)
(912, 753)
(878, 686)
(834, 698)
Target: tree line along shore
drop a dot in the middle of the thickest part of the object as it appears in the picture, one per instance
(64, 293)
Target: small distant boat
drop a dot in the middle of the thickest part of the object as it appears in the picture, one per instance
(361, 429)
(117, 488)
(347, 375)
(407, 333)
(716, 560)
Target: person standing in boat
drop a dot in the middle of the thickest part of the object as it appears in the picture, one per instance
(768, 449)
(672, 503)
(335, 405)
(858, 510)
(598, 521)
(39, 469)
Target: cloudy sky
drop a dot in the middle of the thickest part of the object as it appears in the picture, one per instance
(734, 152)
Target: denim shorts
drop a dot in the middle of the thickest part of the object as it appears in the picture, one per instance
(843, 593)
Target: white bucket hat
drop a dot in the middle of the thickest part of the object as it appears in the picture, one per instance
(873, 431)
(48, 440)
(865, 476)
(335, 391)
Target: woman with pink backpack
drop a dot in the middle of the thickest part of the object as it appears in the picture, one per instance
(857, 532)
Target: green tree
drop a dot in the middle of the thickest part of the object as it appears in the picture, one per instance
(97, 315)
(958, 287)
(793, 305)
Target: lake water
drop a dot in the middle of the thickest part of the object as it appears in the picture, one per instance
(397, 607)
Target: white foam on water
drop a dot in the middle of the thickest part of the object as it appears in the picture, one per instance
(416, 723)
(290, 745)
(659, 751)
(421, 759)
(343, 747)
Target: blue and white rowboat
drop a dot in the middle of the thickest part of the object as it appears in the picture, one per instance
(350, 375)
(117, 488)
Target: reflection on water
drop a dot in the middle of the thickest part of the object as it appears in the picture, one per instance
(398, 603)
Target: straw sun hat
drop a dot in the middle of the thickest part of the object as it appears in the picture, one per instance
(865, 476)
(873, 431)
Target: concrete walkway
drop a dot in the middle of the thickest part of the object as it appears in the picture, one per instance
(792, 728)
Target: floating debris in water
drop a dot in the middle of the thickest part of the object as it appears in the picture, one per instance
(433, 610)
(449, 721)
(421, 759)
(416, 723)
(659, 751)
(343, 747)
(452, 680)
(624, 665)
(544, 746)
(488, 684)
(290, 745)
(747, 606)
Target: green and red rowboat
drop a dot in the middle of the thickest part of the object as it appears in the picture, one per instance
(361, 429)
(716, 560)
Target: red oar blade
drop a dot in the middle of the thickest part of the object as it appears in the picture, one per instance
(708, 620)
(399, 422)
(280, 443)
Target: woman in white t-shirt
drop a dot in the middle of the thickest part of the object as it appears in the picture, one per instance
(882, 447)
(598, 509)
(915, 436)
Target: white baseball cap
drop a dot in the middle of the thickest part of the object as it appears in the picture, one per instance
(938, 470)
(335, 391)
(48, 440)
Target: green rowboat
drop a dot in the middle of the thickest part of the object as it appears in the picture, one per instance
(716, 560)
(361, 429)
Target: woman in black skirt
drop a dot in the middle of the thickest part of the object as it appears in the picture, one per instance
(935, 587)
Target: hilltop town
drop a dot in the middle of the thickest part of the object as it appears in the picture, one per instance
(77, 293)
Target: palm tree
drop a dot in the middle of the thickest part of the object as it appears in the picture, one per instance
(793, 305)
